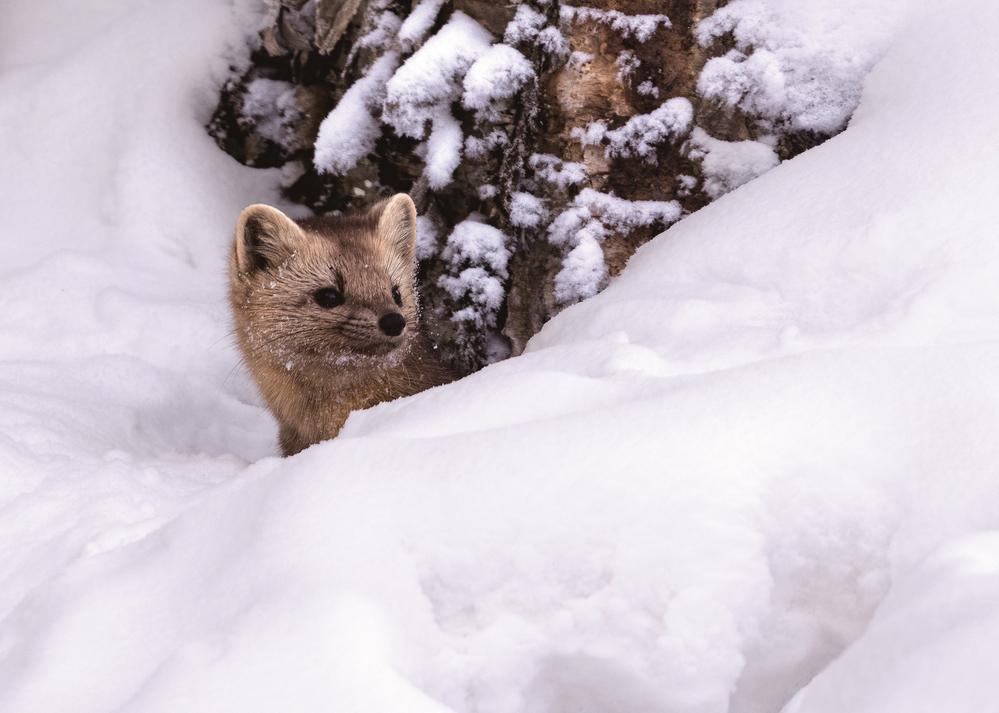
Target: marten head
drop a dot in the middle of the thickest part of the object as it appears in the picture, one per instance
(336, 289)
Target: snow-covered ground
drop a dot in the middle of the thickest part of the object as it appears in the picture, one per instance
(759, 469)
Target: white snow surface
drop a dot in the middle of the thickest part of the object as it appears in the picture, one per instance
(760, 466)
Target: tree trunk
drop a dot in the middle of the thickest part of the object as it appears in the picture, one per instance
(561, 151)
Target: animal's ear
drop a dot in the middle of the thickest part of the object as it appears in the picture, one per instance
(265, 237)
(396, 218)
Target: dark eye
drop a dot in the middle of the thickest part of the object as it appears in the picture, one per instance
(328, 297)
(397, 296)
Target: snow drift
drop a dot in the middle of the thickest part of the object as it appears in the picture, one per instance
(692, 494)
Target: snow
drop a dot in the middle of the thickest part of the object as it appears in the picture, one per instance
(627, 62)
(758, 468)
(530, 27)
(591, 134)
(479, 286)
(431, 77)
(611, 212)
(476, 147)
(496, 76)
(418, 22)
(477, 256)
(726, 165)
(427, 235)
(271, 105)
(642, 133)
(928, 647)
(586, 223)
(443, 149)
(648, 89)
(584, 269)
(351, 130)
(641, 27)
(476, 242)
(795, 66)
(553, 170)
(385, 31)
(524, 26)
(526, 210)
(579, 59)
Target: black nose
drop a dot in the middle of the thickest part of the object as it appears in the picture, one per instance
(392, 324)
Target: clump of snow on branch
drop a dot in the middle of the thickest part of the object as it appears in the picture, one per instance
(477, 147)
(584, 270)
(427, 237)
(590, 135)
(579, 59)
(554, 171)
(627, 62)
(497, 75)
(350, 131)
(726, 165)
(641, 134)
(641, 27)
(474, 242)
(382, 34)
(685, 184)
(477, 257)
(582, 227)
(430, 78)
(648, 89)
(270, 105)
(807, 78)
(526, 210)
(530, 27)
(525, 25)
(553, 43)
(443, 149)
(417, 24)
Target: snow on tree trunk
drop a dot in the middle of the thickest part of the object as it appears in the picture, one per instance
(542, 141)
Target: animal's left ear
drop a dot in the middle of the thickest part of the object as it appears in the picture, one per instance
(396, 218)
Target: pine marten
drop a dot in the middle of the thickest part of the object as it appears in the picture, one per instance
(326, 314)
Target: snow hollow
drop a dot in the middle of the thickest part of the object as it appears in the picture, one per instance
(757, 473)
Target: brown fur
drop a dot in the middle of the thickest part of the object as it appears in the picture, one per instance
(315, 365)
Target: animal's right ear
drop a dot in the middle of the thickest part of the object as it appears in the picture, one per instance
(265, 237)
(396, 219)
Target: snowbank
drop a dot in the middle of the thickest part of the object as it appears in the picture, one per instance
(796, 65)
(690, 495)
